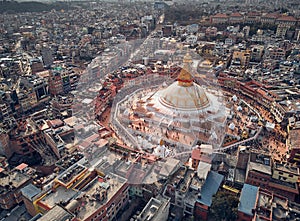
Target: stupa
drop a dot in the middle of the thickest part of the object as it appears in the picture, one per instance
(183, 113)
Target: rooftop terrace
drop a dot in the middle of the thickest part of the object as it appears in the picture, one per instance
(99, 192)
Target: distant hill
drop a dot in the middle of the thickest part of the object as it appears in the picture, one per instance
(29, 6)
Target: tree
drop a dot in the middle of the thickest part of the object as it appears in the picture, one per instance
(224, 207)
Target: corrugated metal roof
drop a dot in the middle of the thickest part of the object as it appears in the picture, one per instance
(210, 188)
(248, 199)
(30, 191)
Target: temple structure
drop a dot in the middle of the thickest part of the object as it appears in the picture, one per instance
(182, 114)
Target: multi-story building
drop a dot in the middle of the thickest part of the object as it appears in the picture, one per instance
(156, 209)
(36, 65)
(279, 179)
(293, 144)
(56, 213)
(65, 77)
(5, 148)
(269, 18)
(35, 88)
(47, 56)
(259, 170)
(241, 57)
(275, 53)
(285, 181)
(103, 198)
(167, 30)
(208, 190)
(11, 183)
(236, 18)
(261, 204)
(211, 32)
(29, 193)
(55, 83)
(252, 17)
(247, 204)
(286, 21)
(219, 19)
(257, 52)
(246, 31)
(203, 154)
(281, 30)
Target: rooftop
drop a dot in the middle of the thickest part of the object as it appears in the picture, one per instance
(260, 168)
(248, 199)
(286, 168)
(12, 180)
(30, 191)
(210, 188)
(57, 213)
(99, 192)
(60, 194)
(69, 160)
(151, 209)
(70, 174)
(169, 167)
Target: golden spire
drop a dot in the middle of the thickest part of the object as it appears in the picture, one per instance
(185, 78)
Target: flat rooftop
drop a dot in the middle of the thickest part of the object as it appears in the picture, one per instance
(61, 194)
(57, 213)
(71, 173)
(286, 168)
(151, 209)
(110, 185)
(12, 180)
(260, 168)
(69, 160)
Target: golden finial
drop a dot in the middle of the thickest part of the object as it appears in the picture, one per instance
(185, 78)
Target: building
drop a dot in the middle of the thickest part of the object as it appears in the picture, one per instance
(257, 52)
(262, 204)
(208, 190)
(241, 58)
(275, 53)
(32, 91)
(156, 209)
(252, 17)
(29, 193)
(236, 18)
(167, 30)
(5, 148)
(247, 204)
(259, 170)
(286, 21)
(180, 114)
(55, 83)
(281, 30)
(278, 178)
(103, 198)
(202, 153)
(11, 183)
(219, 18)
(246, 31)
(211, 32)
(293, 144)
(269, 18)
(56, 213)
(47, 56)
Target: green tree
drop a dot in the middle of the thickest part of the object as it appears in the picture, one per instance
(224, 207)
